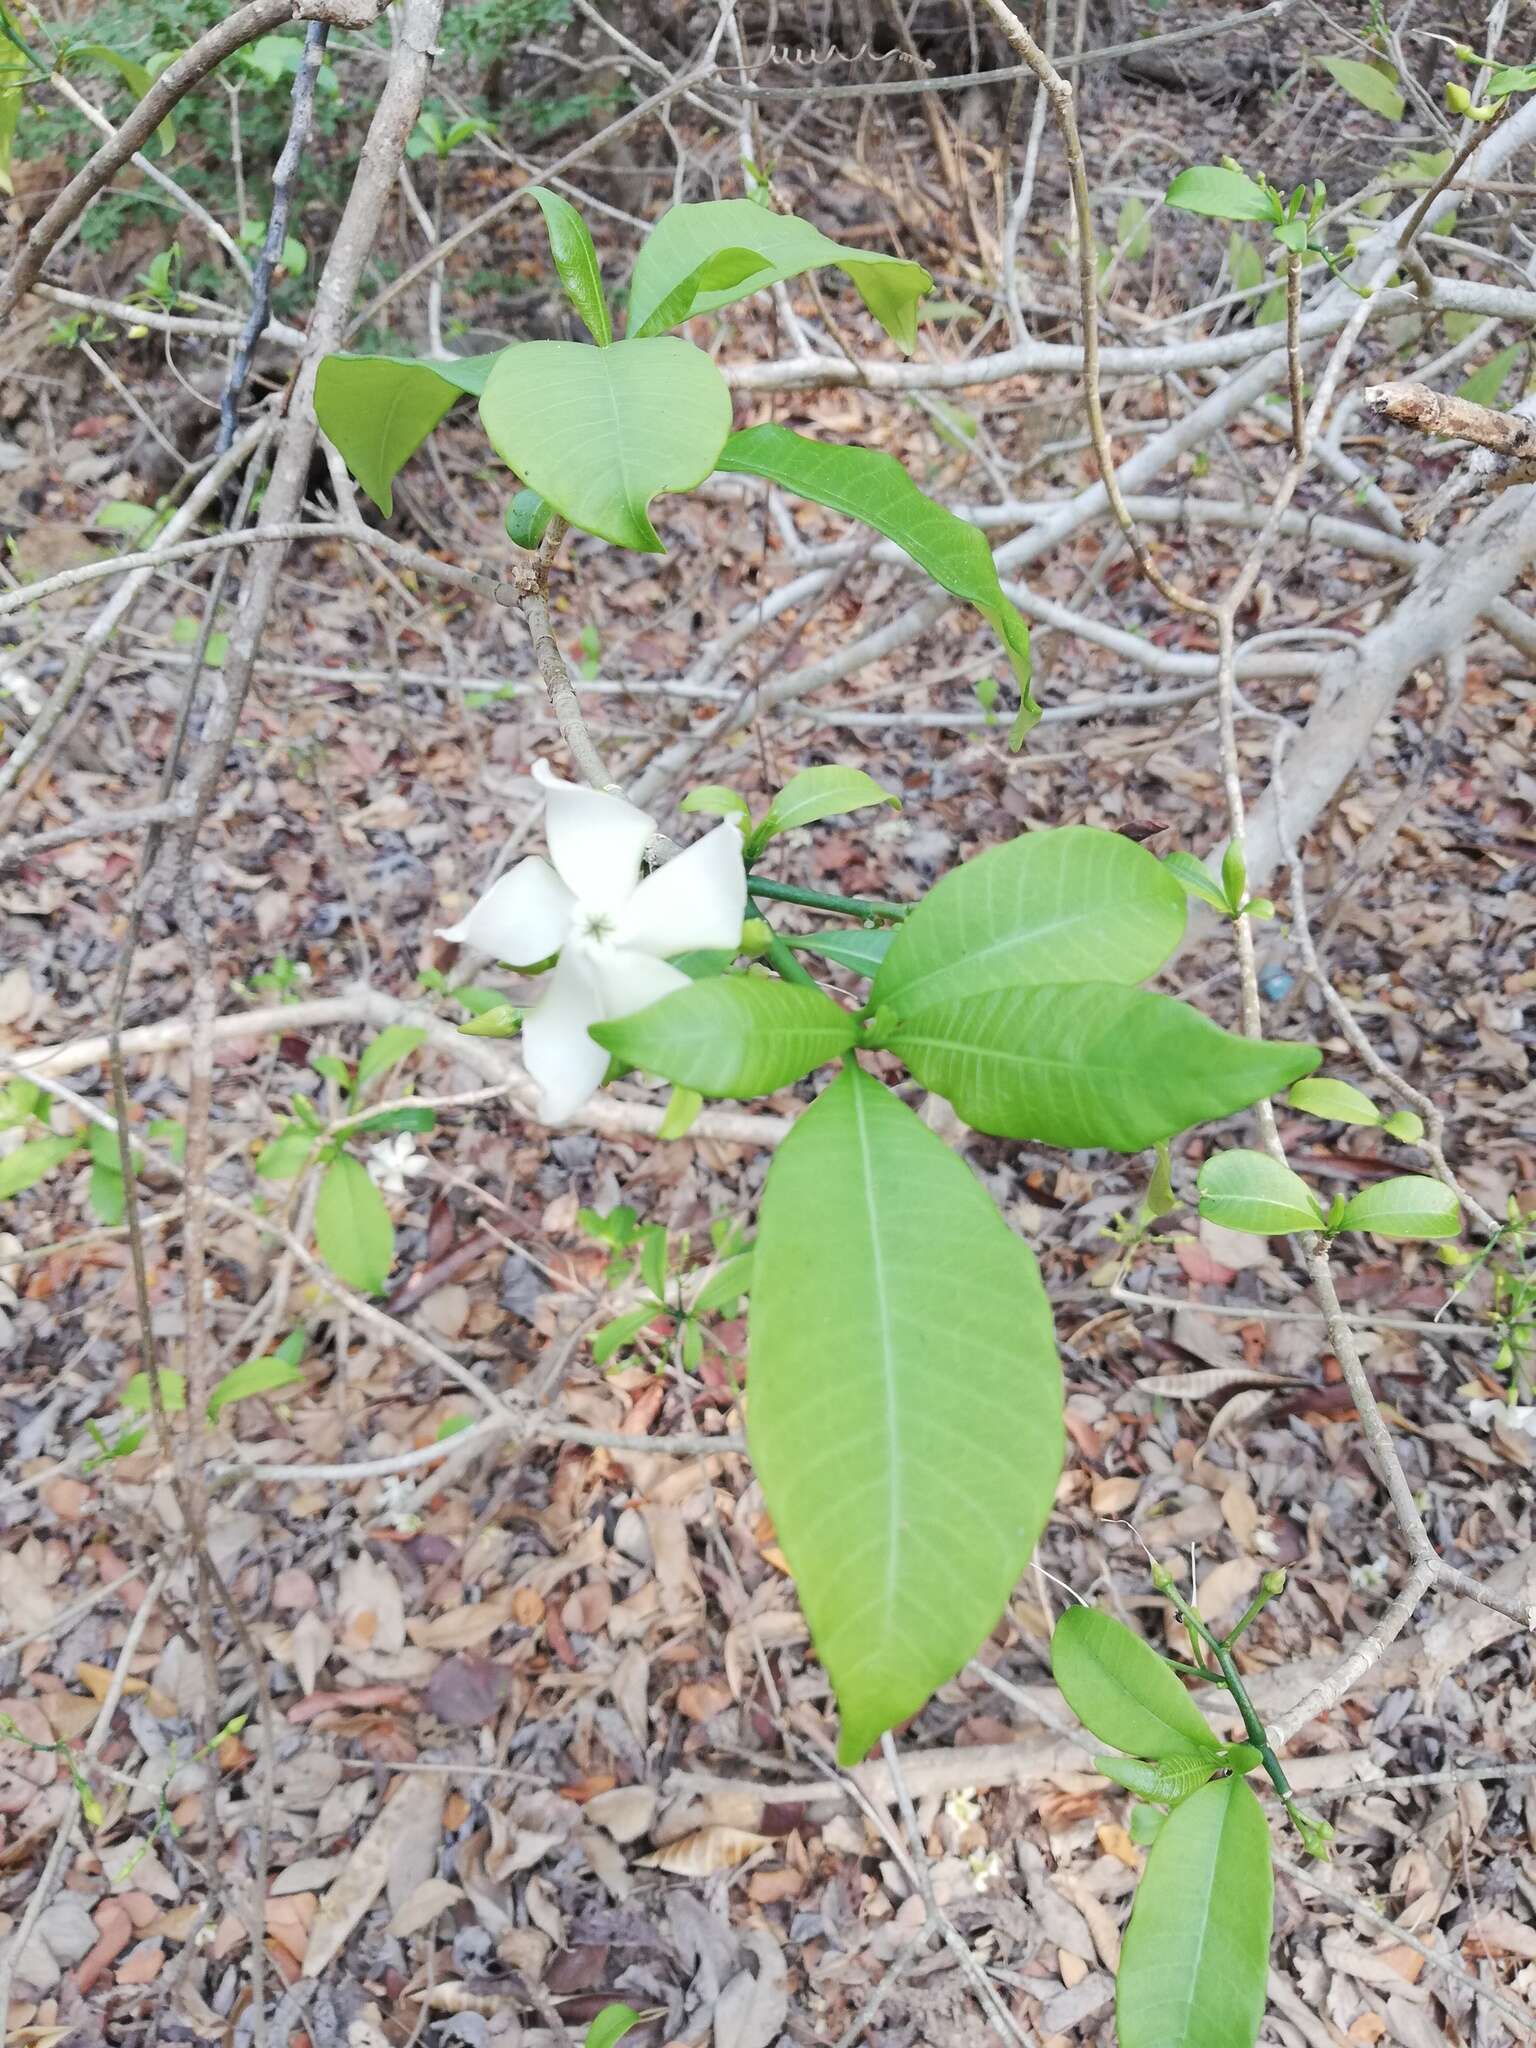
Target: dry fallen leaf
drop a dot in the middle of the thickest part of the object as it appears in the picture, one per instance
(706, 1852)
(415, 1812)
(434, 1895)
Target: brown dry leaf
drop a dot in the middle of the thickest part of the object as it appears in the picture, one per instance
(370, 1610)
(463, 1628)
(1114, 1496)
(706, 1852)
(433, 1896)
(753, 2007)
(1241, 1408)
(1241, 1514)
(1205, 1386)
(413, 1815)
(1225, 1590)
(625, 1813)
(703, 1699)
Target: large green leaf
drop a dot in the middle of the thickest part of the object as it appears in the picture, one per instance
(687, 240)
(1228, 195)
(352, 1226)
(871, 486)
(30, 1161)
(600, 431)
(904, 1407)
(1250, 1191)
(1195, 1964)
(737, 1034)
(1413, 1205)
(1122, 1691)
(570, 244)
(378, 410)
(1087, 1063)
(1363, 82)
(1068, 904)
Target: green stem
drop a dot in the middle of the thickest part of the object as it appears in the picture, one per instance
(820, 899)
(780, 958)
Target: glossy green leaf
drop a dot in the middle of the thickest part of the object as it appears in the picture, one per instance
(716, 801)
(410, 1117)
(377, 410)
(1337, 1102)
(1363, 82)
(1168, 1781)
(352, 1226)
(1195, 1965)
(1403, 1125)
(905, 1407)
(1122, 1691)
(570, 244)
(600, 432)
(853, 947)
(1485, 384)
(726, 1287)
(1227, 195)
(1512, 78)
(611, 2025)
(31, 1160)
(736, 1034)
(683, 1106)
(267, 1375)
(816, 793)
(873, 487)
(287, 1154)
(107, 1196)
(1194, 877)
(1413, 1205)
(687, 238)
(11, 97)
(396, 1042)
(1068, 904)
(137, 77)
(1145, 1824)
(1250, 1191)
(623, 1330)
(1085, 1063)
(138, 1399)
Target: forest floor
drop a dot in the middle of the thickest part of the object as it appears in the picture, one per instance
(544, 1730)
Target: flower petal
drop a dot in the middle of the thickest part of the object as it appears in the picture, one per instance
(563, 1060)
(697, 900)
(522, 918)
(595, 841)
(629, 981)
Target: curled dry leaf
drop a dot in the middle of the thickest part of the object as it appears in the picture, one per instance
(413, 1815)
(1205, 1386)
(706, 1852)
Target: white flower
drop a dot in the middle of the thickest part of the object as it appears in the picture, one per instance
(614, 932)
(1513, 1415)
(1370, 1577)
(394, 1161)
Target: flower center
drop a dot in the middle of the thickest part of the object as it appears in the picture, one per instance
(596, 925)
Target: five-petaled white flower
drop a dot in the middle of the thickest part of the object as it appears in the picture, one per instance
(1513, 1415)
(394, 1161)
(615, 933)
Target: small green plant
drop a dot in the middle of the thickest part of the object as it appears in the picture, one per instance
(1208, 1885)
(684, 1288)
(264, 1375)
(1229, 896)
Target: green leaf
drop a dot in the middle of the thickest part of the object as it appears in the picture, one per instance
(1485, 384)
(27, 1165)
(527, 519)
(256, 1376)
(287, 1154)
(1194, 877)
(330, 1068)
(1145, 1825)
(600, 431)
(1250, 1191)
(1068, 904)
(1363, 82)
(1335, 1101)
(684, 241)
(857, 948)
(352, 1226)
(1512, 78)
(1195, 1965)
(138, 1400)
(1168, 1782)
(1122, 1691)
(570, 244)
(411, 1117)
(166, 1131)
(611, 2025)
(11, 97)
(107, 1196)
(1245, 266)
(723, 1289)
(396, 1042)
(737, 1034)
(683, 1106)
(1227, 195)
(623, 1330)
(1413, 1205)
(1234, 875)
(716, 801)
(873, 487)
(1086, 1063)
(817, 793)
(1403, 1125)
(377, 410)
(1132, 229)
(134, 75)
(505, 1020)
(905, 1411)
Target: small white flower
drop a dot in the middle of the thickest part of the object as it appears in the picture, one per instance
(1370, 1577)
(1513, 1415)
(986, 1867)
(615, 933)
(963, 1806)
(394, 1161)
